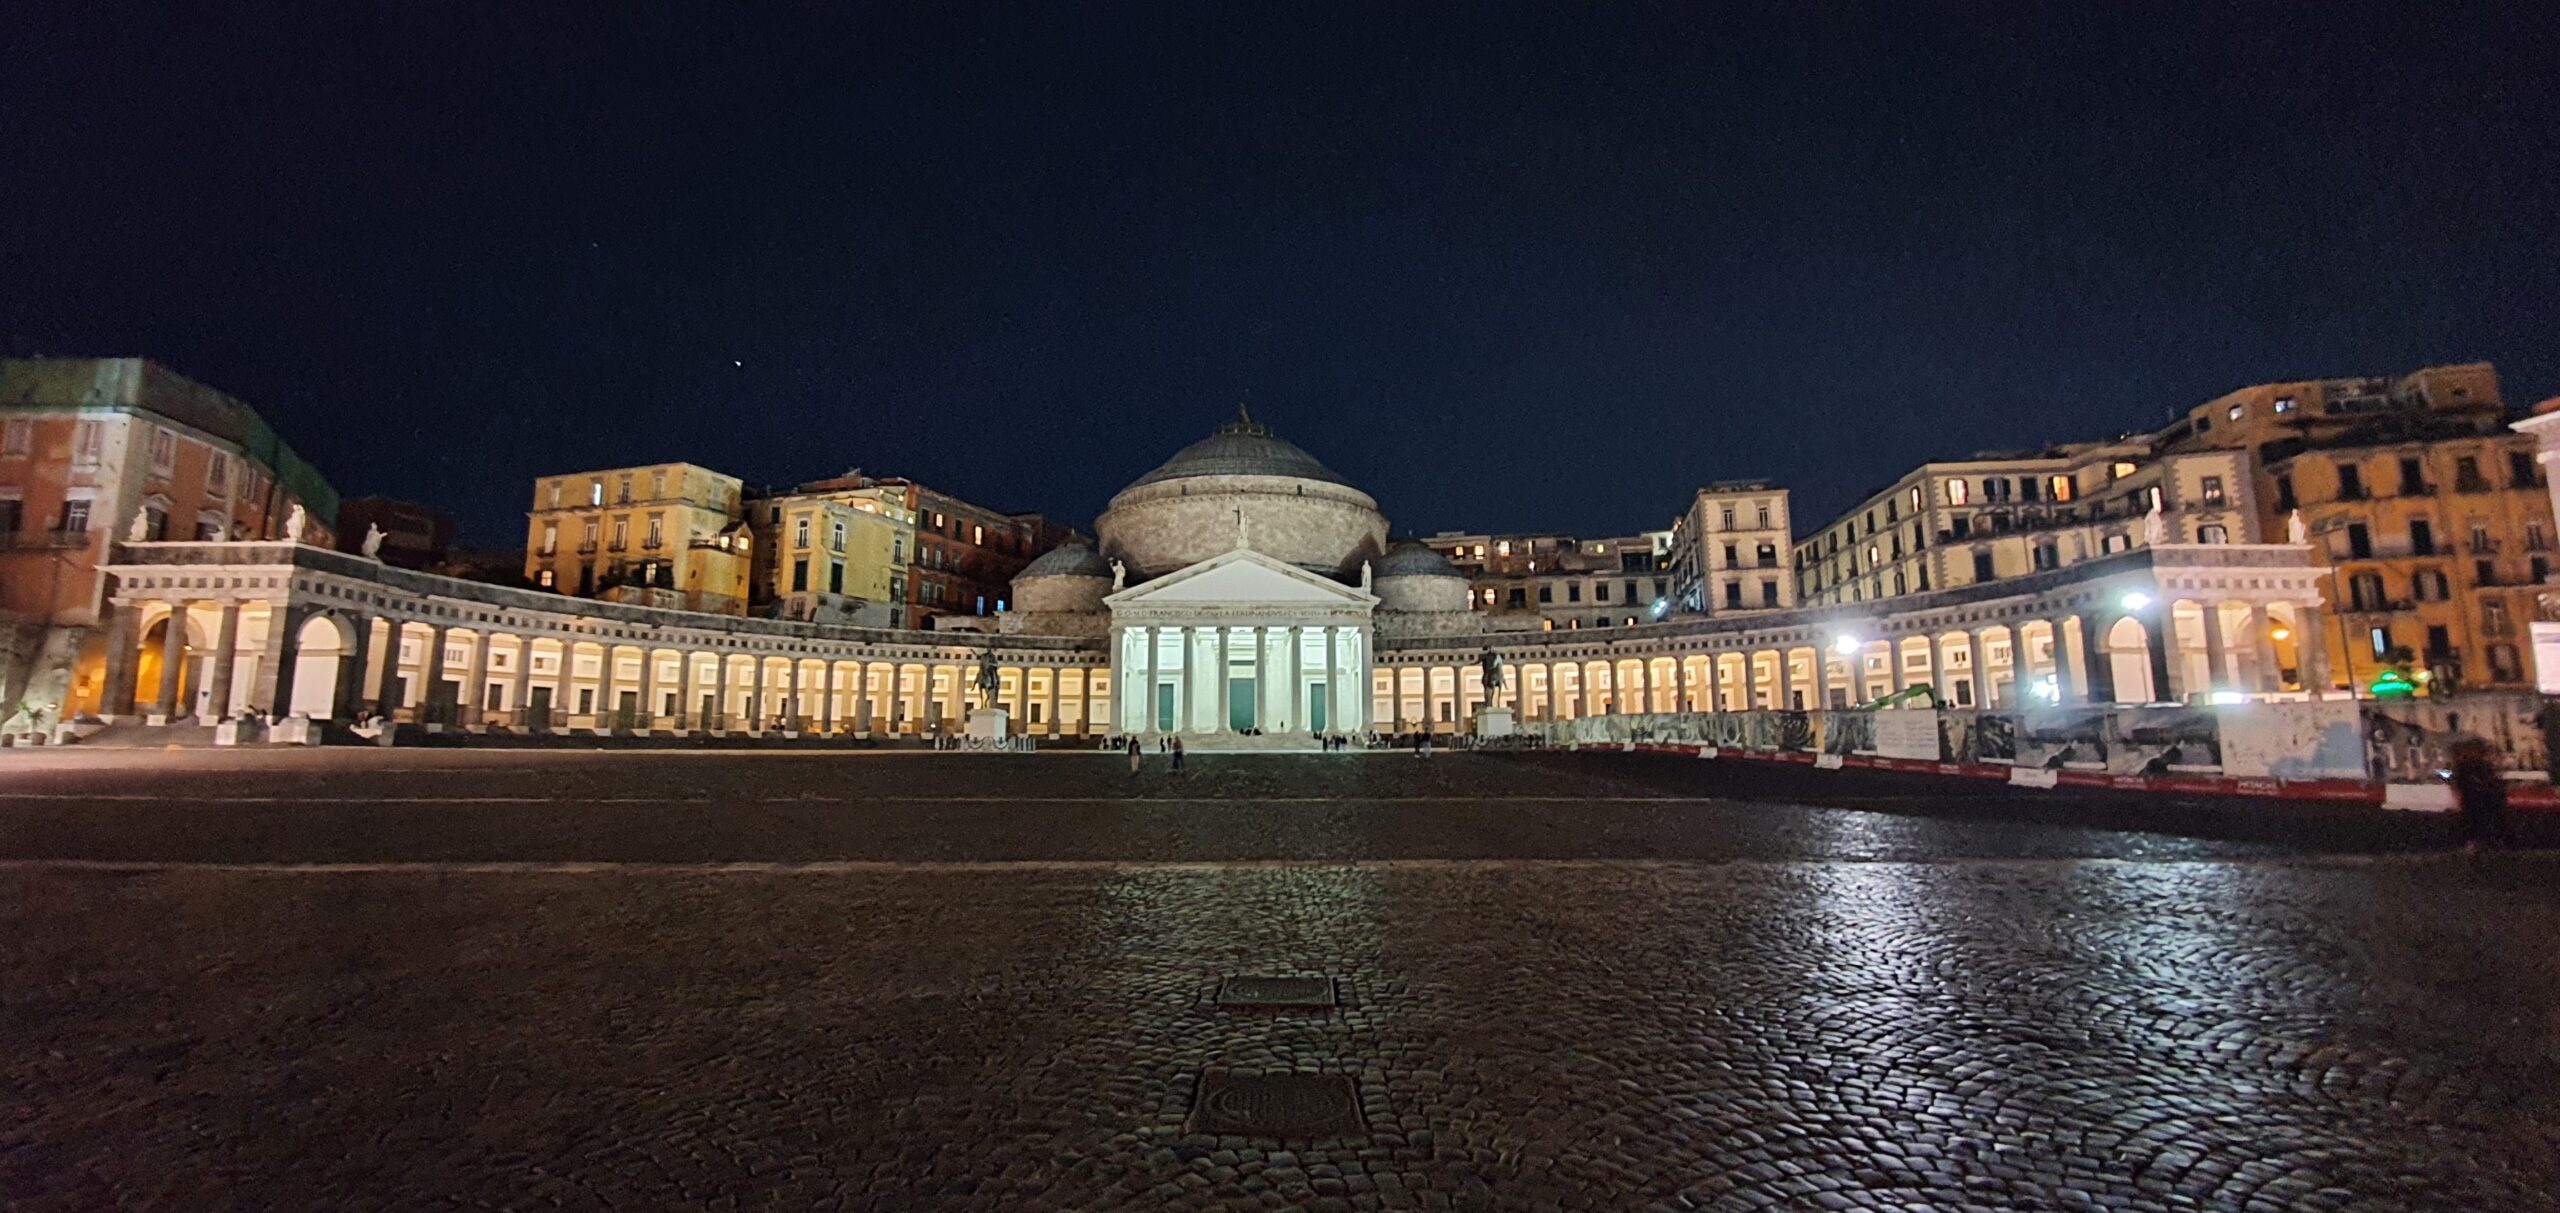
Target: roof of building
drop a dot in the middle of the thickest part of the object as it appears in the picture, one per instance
(1242, 447)
(1407, 558)
(1069, 559)
(139, 383)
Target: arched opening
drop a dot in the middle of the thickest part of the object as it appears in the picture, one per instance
(319, 657)
(148, 671)
(2129, 660)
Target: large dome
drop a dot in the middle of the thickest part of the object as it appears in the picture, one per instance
(1242, 447)
(1413, 558)
(1069, 559)
(1242, 486)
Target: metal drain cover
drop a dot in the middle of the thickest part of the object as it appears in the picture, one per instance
(1276, 992)
(1277, 1105)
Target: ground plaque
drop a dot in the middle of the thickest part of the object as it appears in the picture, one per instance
(1251, 991)
(1277, 1105)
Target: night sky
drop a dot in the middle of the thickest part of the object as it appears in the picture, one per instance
(1544, 267)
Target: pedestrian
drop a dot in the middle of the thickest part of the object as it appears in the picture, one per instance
(1177, 755)
(1134, 754)
(2481, 789)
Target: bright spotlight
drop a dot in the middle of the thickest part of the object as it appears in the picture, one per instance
(2135, 600)
(1847, 646)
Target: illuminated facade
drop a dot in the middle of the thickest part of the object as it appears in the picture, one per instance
(86, 444)
(669, 534)
(833, 556)
(1552, 581)
(1731, 551)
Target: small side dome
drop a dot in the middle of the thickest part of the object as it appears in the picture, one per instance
(1069, 559)
(1409, 558)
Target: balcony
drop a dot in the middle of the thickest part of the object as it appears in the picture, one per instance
(2473, 483)
(2419, 489)
(42, 540)
(588, 548)
(2481, 545)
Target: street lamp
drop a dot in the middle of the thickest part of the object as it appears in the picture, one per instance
(1847, 646)
(2135, 600)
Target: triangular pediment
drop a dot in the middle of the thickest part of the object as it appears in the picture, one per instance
(1241, 578)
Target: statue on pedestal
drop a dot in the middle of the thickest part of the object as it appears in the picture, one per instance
(293, 520)
(2294, 530)
(1491, 664)
(1119, 575)
(988, 681)
(372, 541)
(2155, 529)
(1364, 574)
(139, 530)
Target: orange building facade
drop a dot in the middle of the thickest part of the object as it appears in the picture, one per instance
(98, 451)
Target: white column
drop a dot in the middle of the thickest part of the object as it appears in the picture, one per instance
(1261, 677)
(1220, 715)
(1937, 675)
(1293, 714)
(1715, 672)
(2214, 675)
(1332, 685)
(2262, 642)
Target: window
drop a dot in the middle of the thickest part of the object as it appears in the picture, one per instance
(1600, 592)
(1768, 593)
(2466, 475)
(621, 533)
(587, 536)
(2284, 492)
(217, 474)
(622, 492)
(1502, 547)
(2429, 585)
(836, 532)
(2359, 541)
(1546, 593)
(85, 443)
(1519, 596)
(550, 538)
(2364, 592)
(2413, 479)
(835, 576)
(2494, 620)
(1915, 498)
(2541, 570)
(2114, 543)
(2484, 572)
(657, 485)
(2503, 666)
(2120, 469)
(657, 533)
(2027, 488)
(1631, 593)
(2284, 404)
(1573, 591)
(555, 494)
(1728, 518)
(595, 493)
(2480, 536)
(2048, 557)
(2381, 641)
(75, 513)
(164, 451)
(2350, 482)
(1764, 517)
(799, 532)
(17, 437)
(543, 579)
(2439, 641)
(2520, 469)
(1959, 491)
(977, 535)
(2422, 537)
(1732, 555)
(1982, 566)
(2212, 487)
(1733, 593)
(2238, 411)
(2213, 532)
(2535, 540)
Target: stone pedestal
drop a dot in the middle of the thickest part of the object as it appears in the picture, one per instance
(1493, 722)
(295, 730)
(989, 723)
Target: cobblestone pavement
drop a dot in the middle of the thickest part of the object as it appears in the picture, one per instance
(2211, 1028)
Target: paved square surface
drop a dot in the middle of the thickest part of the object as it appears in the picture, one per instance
(901, 981)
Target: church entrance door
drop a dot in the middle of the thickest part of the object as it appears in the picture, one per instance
(1164, 707)
(1239, 704)
(1316, 722)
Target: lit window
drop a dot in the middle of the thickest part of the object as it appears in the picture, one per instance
(800, 533)
(1479, 551)
(2238, 411)
(2284, 404)
(1915, 496)
(1959, 491)
(2122, 469)
(977, 534)
(1502, 548)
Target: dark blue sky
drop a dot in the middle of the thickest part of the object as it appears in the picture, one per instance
(1531, 267)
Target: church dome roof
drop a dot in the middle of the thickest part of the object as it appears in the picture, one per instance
(1410, 558)
(1242, 447)
(1069, 559)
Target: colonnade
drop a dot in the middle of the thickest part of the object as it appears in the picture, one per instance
(215, 659)
(2220, 648)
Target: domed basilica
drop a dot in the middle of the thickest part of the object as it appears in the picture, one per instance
(1241, 587)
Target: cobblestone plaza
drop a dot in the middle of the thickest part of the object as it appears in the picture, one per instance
(344, 980)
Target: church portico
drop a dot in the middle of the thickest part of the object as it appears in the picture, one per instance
(1238, 644)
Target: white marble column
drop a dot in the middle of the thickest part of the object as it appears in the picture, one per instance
(1221, 717)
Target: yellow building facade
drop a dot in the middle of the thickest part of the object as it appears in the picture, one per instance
(667, 535)
(834, 557)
